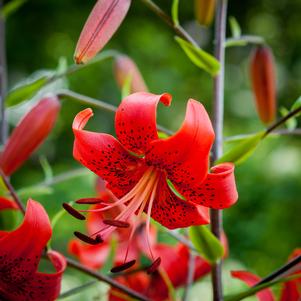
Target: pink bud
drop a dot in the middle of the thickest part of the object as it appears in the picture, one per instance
(103, 21)
(124, 69)
(31, 131)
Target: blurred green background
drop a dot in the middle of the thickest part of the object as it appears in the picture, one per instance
(264, 226)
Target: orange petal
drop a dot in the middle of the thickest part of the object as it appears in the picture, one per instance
(204, 11)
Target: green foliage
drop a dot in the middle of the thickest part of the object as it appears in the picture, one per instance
(206, 243)
(235, 28)
(199, 57)
(11, 7)
(175, 12)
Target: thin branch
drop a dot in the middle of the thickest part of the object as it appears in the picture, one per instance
(281, 272)
(72, 263)
(243, 40)
(179, 30)
(218, 121)
(3, 80)
(98, 104)
(12, 192)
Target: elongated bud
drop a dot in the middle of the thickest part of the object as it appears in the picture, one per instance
(104, 19)
(125, 69)
(204, 11)
(31, 131)
(263, 82)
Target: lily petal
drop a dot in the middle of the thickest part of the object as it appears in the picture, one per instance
(173, 212)
(135, 120)
(104, 19)
(185, 156)
(105, 156)
(7, 204)
(218, 191)
(251, 279)
(20, 258)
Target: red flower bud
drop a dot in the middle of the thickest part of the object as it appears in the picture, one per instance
(29, 134)
(103, 21)
(125, 68)
(204, 11)
(264, 84)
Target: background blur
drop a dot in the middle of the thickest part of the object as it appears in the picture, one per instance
(264, 227)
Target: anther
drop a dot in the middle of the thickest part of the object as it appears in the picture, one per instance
(89, 240)
(89, 201)
(154, 266)
(116, 223)
(73, 212)
(122, 267)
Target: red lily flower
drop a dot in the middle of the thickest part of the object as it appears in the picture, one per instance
(7, 204)
(291, 290)
(31, 131)
(138, 165)
(20, 253)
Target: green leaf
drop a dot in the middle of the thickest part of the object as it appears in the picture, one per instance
(11, 7)
(296, 105)
(235, 28)
(110, 259)
(8, 219)
(126, 87)
(291, 123)
(199, 57)
(26, 89)
(206, 243)
(242, 149)
(175, 12)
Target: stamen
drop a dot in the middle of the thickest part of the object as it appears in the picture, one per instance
(123, 266)
(116, 223)
(89, 201)
(89, 240)
(73, 212)
(154, 266)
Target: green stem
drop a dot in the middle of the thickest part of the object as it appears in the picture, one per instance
(244, 40)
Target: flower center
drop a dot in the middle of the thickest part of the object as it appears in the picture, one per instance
(138, 200)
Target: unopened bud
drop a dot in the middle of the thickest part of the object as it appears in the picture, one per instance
(204, 11)
(31, 131)
(263, 82)
(125, 69)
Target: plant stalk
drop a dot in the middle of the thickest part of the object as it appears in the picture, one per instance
(3, 80)
(218, 120)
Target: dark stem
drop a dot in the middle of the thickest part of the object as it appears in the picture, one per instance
(3, 80)
(72, 263)
(12, 192)
(218, 117)
(281, 272)
(179, 30)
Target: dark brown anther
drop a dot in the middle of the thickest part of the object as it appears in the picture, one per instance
(123, 266)
(87, 239)
(116, 223)
(73, 212)
(154, 266)
(89, 201)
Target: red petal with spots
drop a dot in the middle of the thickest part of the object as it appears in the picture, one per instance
(135, 120)
(19, 279)
(251, 279)
(31, 131)
(173, 212)
(102, 23)
(7, 204)
(185, 156)
(105, 156)
(218, 191)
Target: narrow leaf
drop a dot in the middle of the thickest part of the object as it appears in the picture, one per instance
(104, 20)
(26, 89)
(199, 57)
(291, 123)
(206, 243)
(296, 105)
(11, 7)
(242, 150)
(235, 28)
(175, 12)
